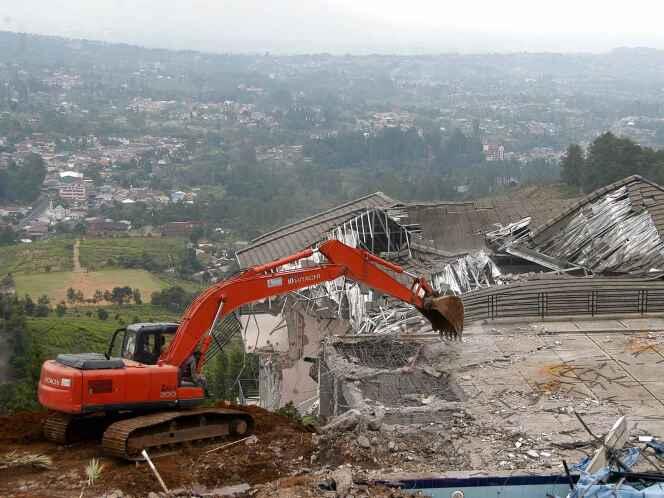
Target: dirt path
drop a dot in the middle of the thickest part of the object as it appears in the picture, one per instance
(77, 261)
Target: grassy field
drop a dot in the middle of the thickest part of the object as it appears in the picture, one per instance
(50, 255)
(55, 285)
(76, 332)
(104, 253)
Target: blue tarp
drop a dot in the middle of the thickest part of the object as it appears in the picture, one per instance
(588, 487)
(658, 447)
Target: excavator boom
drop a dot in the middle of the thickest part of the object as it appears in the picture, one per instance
(260, 282)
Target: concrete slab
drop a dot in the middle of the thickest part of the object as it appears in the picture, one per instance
(562, 326)
(527, 383)
(595, 325)
(557, 366)
(643, 323)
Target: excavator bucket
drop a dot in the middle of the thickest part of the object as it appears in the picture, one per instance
(445, 314)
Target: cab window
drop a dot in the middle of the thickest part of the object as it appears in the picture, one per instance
(129, 348)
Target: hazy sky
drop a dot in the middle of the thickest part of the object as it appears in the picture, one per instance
(361, 26)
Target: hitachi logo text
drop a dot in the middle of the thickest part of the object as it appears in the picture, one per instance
(305, 279)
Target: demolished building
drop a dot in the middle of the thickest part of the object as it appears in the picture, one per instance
(506, 258)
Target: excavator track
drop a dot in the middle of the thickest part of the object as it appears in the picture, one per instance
(62, 428)
(161, 432)
(57, 426)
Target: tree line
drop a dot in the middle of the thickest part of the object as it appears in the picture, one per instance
(117, 295)
(608, 159)
(22, 182)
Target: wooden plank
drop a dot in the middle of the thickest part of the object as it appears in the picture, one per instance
(615, 439)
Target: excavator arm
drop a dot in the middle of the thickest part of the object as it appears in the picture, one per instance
(263, 281)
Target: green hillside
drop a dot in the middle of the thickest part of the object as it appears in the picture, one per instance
(44, 256)
(76, 332)
(121, 252)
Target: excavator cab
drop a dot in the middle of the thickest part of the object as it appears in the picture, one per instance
(143, 342)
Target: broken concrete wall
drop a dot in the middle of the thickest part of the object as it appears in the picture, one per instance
(265, 332)
(269, 381)
(289, 374)
(393, 377)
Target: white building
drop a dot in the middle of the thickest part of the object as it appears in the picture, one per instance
(73, 192)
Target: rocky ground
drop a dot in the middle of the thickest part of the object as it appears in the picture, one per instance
(521, 391)
(284, 459)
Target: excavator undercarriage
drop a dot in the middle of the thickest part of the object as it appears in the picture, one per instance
(155, 432)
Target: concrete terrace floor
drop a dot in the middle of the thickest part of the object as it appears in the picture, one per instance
(526, 377)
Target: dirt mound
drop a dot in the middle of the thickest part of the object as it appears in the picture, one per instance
(280, 448)
(265, 420)
(22, 427)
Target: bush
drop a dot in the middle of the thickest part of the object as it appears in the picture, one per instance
(289, 411)
(102, 314)
(61, 309)
(174, 298)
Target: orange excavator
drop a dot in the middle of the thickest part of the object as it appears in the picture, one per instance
(147, 397)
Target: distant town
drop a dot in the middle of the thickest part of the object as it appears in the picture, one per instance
(150, 142)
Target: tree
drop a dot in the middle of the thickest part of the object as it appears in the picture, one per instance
(108, 297)
(137, 296)
(197, 234)
(71, 295)
(102, 314)
(42, 310)
(61, 309)
(120, 295)
(21, 183)
(611, 158)
(7, 281)
(98, 296)
(173, 298)
(572, 167)
(29, 305)
(7, 236)
(79, 296)
(190, 264)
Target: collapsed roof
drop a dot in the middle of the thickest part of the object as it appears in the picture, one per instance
(614, 230)
(460, 227)
(304, 233)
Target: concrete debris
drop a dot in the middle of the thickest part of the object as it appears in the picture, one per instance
(363, 442)
(346, 422)
(343, 480)
(466, 274)
(236, 490)
(431, 371)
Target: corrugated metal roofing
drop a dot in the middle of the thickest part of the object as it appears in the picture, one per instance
(297, 236)
(460, 227)
(643, 194)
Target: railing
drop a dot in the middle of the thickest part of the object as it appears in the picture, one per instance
(565, 299)
(248, 392)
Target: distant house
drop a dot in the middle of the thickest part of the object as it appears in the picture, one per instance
(494, 152)
(73, 192)
(178, 228)
(100, 227)
(13, 211)
(71, 177)
(36, 230)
